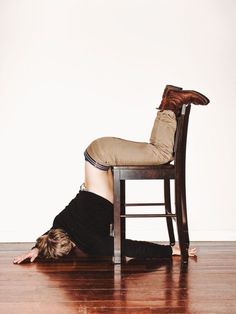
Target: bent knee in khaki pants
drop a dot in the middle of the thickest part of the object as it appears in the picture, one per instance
(105, 152)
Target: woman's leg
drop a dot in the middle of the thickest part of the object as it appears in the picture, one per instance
(163, 133)
(112, 151)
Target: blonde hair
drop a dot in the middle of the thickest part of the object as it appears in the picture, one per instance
(54, 244)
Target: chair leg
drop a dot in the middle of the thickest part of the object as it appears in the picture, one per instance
(117, 220)
(181, 221)
(122, 211)
(184, 212)
(168, 211)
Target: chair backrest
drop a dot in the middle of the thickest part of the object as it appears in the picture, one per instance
(181, 138)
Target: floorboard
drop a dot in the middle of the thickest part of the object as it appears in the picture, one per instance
(85, 285)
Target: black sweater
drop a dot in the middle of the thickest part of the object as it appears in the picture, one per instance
(87, 220)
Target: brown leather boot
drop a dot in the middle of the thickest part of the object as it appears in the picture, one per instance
(176, 98)
(168, 88)
(165, 93)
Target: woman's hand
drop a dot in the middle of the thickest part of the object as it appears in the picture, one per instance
(176, 251)
(32, 254)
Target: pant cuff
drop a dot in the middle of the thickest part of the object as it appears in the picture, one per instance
(95, 163)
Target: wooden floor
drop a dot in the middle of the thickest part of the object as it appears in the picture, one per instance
(79, 284)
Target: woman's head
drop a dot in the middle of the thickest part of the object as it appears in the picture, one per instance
(56, 243)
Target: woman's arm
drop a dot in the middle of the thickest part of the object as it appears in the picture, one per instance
(32, 254)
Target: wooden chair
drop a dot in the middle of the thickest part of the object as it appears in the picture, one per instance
(165, 172)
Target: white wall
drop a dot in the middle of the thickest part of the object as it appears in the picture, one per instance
(72, 71)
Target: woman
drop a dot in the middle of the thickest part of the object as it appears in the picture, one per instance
(86, 221)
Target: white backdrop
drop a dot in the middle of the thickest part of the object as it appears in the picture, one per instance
(72, 71)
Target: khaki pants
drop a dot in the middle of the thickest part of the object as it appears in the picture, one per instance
(112, 151)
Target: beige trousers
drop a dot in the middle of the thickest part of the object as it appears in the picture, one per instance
(105, 152)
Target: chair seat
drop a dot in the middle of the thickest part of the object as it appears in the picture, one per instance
(139, 167)
(164, 171)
